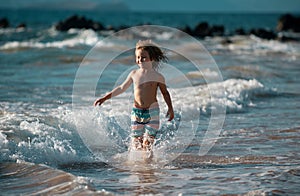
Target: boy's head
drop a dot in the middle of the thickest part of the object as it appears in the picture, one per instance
(154, 52)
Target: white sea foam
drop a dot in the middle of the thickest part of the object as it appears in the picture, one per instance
(106, 130)
(252, 45)
(237, 93)
(44, 135)
(3, 140)
(35, 127)
(83, 37)
(9, 31)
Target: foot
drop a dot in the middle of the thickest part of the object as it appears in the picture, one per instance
(137, 143)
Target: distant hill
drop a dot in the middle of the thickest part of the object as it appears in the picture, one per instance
(78, 5)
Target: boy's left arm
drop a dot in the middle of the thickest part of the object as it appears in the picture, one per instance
(167, 98)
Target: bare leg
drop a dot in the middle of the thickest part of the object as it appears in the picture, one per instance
(137, 143)
(148, 142)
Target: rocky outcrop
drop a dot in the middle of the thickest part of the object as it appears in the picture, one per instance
(203, 29)
(288, 22)
(78, 22)
(217, 30)
(263, 33)
(21, 25)
(4, 23)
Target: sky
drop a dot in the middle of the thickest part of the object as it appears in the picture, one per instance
(162, 5)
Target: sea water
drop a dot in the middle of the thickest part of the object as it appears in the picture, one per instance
(53, 141)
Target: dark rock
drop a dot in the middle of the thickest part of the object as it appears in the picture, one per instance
(202, 30)
(22, 25)
(4, 23)
(288, 22)
(217, 30)
(240, 31)
(226, 41)
(262, 33)
(287, 39)
(78, 22)
(187, 30)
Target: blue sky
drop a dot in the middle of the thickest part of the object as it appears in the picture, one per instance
(167, 5)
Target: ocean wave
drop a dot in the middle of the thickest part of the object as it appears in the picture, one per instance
(72, 38)
(111, 124)
(150, 32)
(40, 135)
(9, 31)
(49, 134)
(86, 37)
(82, 37)
(3, 141)
(252, 45)
(234, 94)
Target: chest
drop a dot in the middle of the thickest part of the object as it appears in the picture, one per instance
(145, 79)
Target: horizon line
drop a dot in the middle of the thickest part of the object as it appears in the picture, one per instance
(153, 11)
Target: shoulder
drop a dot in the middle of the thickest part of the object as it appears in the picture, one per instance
(160, 76)
(133, 72)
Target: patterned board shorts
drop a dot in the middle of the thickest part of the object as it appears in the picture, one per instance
(144, 121)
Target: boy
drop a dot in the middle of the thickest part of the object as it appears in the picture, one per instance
(146, 80)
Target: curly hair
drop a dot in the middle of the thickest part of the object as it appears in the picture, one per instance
(155, 53)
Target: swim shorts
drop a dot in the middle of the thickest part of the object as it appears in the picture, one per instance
(144, 121)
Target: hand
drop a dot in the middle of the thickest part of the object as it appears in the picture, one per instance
(170, 113)
(99, 101)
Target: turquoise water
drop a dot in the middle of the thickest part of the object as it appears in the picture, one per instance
(255, 153)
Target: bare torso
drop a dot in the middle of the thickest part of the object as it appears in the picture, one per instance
(146, 83)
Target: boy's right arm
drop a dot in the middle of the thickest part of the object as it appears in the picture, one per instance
(115, 92)
(102, 99)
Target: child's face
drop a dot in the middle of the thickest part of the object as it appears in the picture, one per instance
(142, 57)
